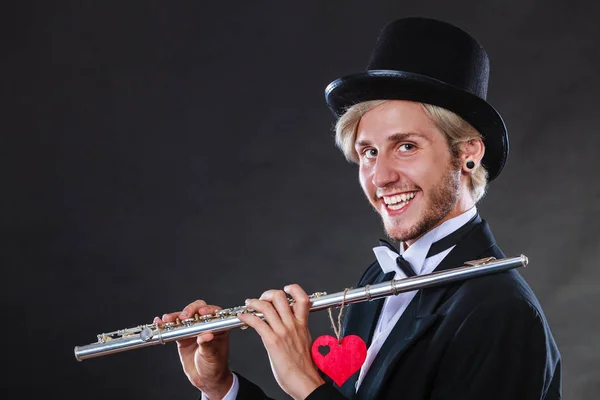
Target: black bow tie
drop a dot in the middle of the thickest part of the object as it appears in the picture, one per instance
(405, 266)
(436, 248)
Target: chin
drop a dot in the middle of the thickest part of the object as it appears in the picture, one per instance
(398, 232)
(410, 229)
(400, 236)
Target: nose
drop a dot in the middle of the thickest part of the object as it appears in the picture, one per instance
(384, 172)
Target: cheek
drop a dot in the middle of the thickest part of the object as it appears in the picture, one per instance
(419, 173)
(427, 172)
(365, 180)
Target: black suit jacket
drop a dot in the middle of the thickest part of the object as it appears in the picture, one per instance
(483, 338)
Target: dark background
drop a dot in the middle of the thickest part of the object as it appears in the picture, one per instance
(155, 152)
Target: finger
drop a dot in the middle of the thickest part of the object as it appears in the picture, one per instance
(302, 303)
(193, 308)
(199, 307)
(170, 317)
(205, 338)
(187, 312)
(281, 303)
(207, 310)
(260, 326)
(271, 316)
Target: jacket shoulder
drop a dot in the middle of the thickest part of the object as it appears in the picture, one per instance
(498, 287)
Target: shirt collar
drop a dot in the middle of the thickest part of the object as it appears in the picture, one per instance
(417, 252)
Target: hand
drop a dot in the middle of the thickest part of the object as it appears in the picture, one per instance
(204, 358)
(286, 337)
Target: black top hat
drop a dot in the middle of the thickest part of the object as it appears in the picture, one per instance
(434, 62)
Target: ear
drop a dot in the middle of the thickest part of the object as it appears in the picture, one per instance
(472, 152)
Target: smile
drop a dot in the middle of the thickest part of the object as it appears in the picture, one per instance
(398, 201)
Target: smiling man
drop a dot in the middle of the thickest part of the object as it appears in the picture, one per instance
(427, 143)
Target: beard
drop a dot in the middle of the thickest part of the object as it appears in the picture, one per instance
(442, 199)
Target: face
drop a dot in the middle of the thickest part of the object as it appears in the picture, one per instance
(407, 170)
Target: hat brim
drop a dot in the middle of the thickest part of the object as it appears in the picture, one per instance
(399, 85)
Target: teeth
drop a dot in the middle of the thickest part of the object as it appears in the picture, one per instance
(401, 198)
(397, 206)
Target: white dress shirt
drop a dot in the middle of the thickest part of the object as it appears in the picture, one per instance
(394, 306)
(233, 390)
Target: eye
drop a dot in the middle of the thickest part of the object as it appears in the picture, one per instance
(369, 153)
(405, 147)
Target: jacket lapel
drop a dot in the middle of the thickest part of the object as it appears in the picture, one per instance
(361, 321)
(420, 315)
(406, 332)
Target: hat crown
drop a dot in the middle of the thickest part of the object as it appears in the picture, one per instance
(435, 49)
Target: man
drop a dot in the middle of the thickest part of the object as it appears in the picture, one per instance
(427, 143)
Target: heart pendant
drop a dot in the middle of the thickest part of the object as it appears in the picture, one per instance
(339, 361)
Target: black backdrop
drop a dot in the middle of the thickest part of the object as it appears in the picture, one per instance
(155, 152)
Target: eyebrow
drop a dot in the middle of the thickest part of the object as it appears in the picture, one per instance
(396, 137)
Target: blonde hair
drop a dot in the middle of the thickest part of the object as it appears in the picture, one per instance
(455, 128)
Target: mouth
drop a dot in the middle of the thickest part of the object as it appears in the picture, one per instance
(397, 202)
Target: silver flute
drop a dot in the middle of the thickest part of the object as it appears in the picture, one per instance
(226, 319)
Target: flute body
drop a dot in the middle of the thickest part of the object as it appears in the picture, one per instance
(153, 334)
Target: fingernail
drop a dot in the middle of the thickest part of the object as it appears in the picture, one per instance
(184, 313)
(247, 301)
(286, 289)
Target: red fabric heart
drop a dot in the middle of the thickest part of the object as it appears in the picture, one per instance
(343, 359)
